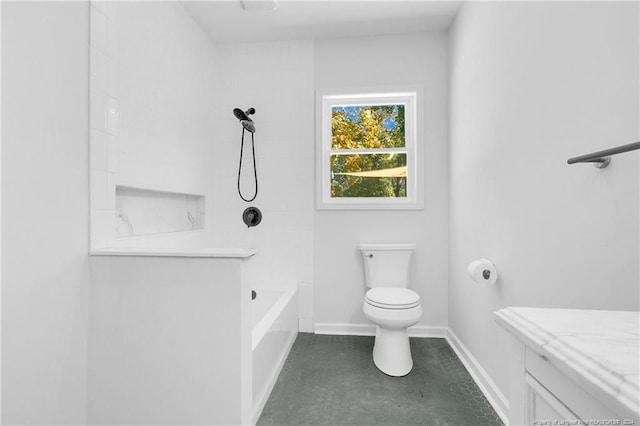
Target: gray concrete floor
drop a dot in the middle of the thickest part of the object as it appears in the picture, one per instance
(331, 380)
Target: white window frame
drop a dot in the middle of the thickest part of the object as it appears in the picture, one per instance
(411, 97)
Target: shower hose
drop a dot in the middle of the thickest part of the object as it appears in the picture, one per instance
(255, 172)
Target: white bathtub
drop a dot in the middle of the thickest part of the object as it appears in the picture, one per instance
(275, 328)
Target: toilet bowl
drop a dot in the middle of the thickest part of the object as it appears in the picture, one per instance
(390, 305)
(391, 350)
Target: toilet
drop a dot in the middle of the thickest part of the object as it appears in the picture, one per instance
(390, 304)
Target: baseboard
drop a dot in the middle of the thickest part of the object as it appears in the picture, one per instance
(496, 398)
(257, 412)
(426, 331)
(343, 329)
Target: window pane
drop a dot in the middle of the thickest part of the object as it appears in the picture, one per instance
(365, 127)
(369, 175)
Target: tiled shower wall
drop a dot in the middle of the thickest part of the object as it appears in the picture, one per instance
(276, 78)
(103, 125)
(154, 128)
(152, 92)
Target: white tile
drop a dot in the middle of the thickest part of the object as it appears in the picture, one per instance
(112, 153)
(305, 271)
(100, 5)
(111, 191)
(98, 70)
(112, 76)
(98, 110)
(305, 324)
(113, 116)
(98, 150)
(112, 12)
(98, 186)
(98, 30)
(286, 274)
(305, 300)
(102, 228)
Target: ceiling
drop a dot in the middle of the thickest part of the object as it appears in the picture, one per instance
(228, 22)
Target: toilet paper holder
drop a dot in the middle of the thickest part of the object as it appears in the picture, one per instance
(482, 271)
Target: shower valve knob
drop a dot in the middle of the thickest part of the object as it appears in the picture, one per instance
(252, 216)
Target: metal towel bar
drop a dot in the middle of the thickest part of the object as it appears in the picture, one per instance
(602, 158)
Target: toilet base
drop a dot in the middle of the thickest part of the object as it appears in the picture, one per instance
(391, 351)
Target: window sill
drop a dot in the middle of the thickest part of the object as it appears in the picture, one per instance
(368, 205)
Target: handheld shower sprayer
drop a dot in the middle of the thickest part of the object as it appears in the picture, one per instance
(247, 125)
(243, 116)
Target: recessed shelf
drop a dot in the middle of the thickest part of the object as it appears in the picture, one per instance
(141, 211)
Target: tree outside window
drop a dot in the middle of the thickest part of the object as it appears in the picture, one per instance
(368, 150)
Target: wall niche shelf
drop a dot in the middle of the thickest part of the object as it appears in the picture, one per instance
(141, 211)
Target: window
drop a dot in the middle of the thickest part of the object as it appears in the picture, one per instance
(367, 156)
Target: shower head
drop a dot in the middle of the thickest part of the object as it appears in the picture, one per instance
(243, 116)
(240, 114)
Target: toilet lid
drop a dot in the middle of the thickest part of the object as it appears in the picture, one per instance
(392, 298)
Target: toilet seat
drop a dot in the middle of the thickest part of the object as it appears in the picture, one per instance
(392, 298)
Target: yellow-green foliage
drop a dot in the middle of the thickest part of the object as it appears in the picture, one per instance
(367, 127)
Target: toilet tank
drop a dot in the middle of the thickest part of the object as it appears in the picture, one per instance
(386, 265)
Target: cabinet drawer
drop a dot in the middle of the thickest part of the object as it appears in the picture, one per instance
(543, 407)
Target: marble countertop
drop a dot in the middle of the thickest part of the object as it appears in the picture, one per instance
(174, 252)
(598, 349)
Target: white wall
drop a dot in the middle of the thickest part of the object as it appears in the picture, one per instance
(339, 286)
(276, 78)
(0, 215)
(44, 212)
(532, 85)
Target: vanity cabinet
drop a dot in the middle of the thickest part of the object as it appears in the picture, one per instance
(561, 377)
(551, 397)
